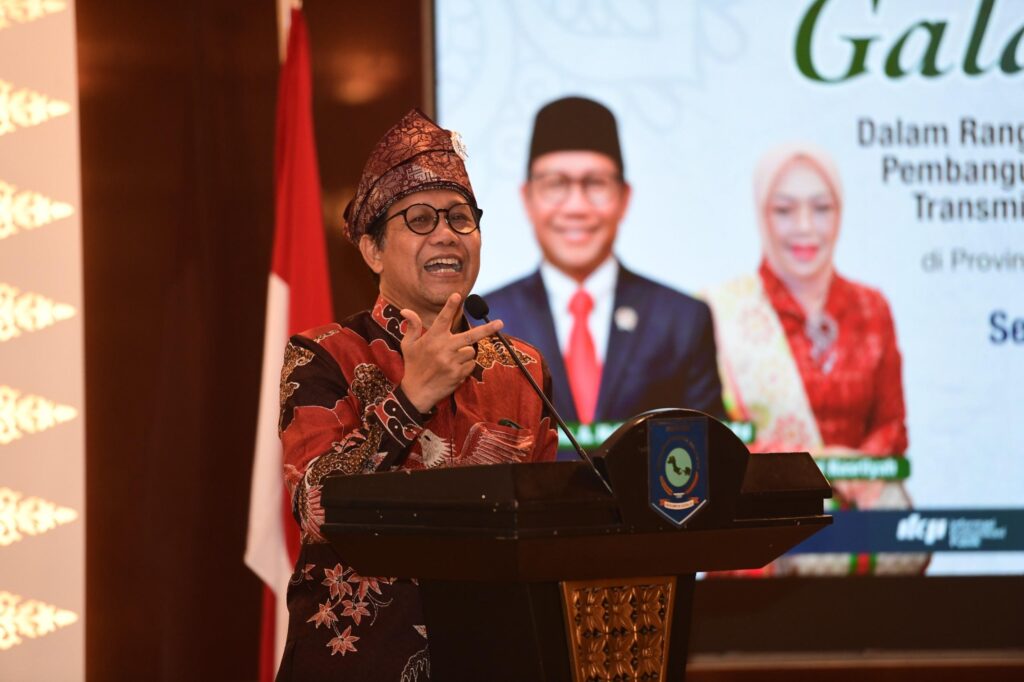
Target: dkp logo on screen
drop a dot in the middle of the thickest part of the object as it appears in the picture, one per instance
(967, 531)
(915, 528)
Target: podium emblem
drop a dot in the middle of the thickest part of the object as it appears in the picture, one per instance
(677, 467)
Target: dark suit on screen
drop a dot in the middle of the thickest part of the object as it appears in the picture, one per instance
(666, 360)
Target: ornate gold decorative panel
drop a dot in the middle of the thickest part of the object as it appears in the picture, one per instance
(21, 516)
(28, 414)
(618, 630)
(28, 619)
(28, 312)
(27, 210)
(39, 171)
(24, 11)
(23, 108)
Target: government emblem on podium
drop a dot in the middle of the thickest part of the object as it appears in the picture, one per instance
(677, 467)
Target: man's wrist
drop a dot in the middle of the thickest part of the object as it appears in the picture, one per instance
(416, 398)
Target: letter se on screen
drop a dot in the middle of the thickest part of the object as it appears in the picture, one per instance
(1004, 329)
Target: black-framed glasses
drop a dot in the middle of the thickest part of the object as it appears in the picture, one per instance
(423, 218)
(600, 189)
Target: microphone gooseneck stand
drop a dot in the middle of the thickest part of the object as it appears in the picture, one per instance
(477, 307)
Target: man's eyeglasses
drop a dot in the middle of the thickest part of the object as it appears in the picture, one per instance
(599, 189)
(423, 218)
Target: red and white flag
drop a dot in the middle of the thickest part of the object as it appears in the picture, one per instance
(298, 298)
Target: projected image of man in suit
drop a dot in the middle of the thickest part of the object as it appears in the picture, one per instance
(617, 343)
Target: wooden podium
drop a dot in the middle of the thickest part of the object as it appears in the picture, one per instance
(535, 573)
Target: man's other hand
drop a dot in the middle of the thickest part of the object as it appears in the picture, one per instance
(437, 361)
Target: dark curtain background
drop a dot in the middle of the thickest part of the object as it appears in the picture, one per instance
(177, 106)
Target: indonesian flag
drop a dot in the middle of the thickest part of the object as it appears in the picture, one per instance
(298, 298)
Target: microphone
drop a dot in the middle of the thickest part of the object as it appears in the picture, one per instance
(478, 309)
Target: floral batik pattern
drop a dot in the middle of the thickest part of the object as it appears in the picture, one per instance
(352, 598)
(351, 627)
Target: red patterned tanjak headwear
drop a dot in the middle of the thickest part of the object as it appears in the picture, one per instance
(416, 154)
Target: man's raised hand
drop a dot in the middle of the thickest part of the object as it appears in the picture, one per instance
(437, 361)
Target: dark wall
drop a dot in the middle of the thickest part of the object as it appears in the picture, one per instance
(367, 73)
(177, 105)
(177, 130)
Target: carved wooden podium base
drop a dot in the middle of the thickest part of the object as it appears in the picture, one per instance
(619, 629)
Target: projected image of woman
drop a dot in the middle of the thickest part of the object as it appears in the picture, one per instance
(807, 355)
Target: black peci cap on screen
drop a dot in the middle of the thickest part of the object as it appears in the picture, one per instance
(575, 124)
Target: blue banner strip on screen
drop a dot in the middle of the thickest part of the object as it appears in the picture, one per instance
(931, 530)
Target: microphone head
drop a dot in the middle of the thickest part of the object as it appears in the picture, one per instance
(476, 306)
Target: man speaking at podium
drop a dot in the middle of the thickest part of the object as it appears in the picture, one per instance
(618, 343)
(408, 384)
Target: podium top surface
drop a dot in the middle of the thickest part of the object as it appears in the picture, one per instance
(556, 520)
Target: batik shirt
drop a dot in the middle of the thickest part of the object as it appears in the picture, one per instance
(344, 412)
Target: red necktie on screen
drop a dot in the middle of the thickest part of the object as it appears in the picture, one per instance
(581, 362)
